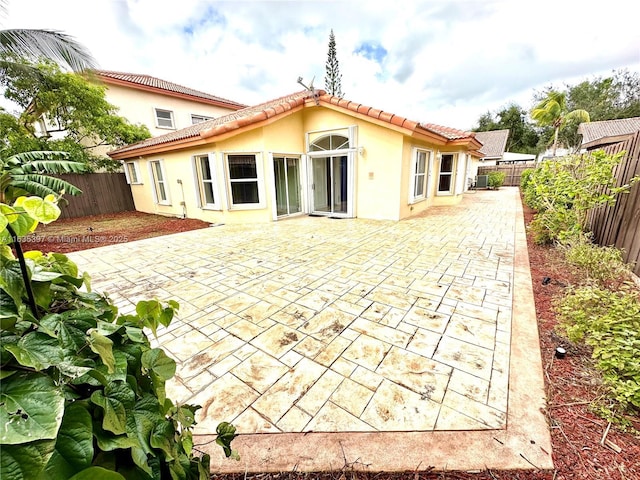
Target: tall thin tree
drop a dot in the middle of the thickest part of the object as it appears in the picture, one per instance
(333, 77)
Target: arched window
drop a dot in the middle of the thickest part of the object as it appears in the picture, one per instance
(329, 142)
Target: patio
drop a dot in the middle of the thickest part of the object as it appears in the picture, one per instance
(366, 333)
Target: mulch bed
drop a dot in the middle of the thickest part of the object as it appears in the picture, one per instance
(571, 383)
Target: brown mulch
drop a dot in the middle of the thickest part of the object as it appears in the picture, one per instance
(571, 383)
(73, 234)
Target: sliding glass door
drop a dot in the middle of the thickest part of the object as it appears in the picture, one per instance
(287, 183)
(330, 185)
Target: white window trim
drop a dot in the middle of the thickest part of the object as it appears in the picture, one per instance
(461, 173)
(156, 197)
(452, 183)
(198, 182)
(204, 118)
(173, 121)
(136, 169)
(427, 175)
(260, 179)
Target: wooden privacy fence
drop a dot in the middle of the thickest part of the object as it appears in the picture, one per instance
(101, 193)
(619, 225)
(512, 171)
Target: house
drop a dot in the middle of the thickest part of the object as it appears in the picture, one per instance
(494, 143)
(160, 105)
(308, 152)
(597, 135)
(513, 158)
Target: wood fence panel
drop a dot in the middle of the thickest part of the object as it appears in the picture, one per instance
(512, 172)
(619, 224)
(101, 193)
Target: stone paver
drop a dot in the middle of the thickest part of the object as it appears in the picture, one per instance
(323, 325)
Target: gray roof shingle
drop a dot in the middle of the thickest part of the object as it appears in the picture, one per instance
(607, 131)
(493, 142)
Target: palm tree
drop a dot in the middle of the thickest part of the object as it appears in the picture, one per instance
(29, 173)
(56, 46)
(552, 111)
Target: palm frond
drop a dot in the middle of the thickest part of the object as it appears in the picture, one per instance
(54, 166)
(579, 115)
(24, 157)
(51, 44)
(43, 185)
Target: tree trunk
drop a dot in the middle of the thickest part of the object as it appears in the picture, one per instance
(555, 140)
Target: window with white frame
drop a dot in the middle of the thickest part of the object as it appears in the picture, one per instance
(244, 181)
(164, 118)
(199, 118)
(207, 190)
(132, 173)
(445, 179)
(160, 187)
(419, 175)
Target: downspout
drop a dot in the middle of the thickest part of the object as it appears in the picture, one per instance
(183, 203)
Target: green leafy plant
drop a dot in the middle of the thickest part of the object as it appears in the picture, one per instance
(82, 393)
(608, 321)
(525, 178)
(599, 264)
(563, 191)
(496, 179)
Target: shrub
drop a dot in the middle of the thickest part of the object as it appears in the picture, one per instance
(525, 178)
(609, 322)
(566, 189)
(599, 264)
(82, 392)
(496, 179)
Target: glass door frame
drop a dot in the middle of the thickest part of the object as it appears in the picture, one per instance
(350, 153)
(302, 175)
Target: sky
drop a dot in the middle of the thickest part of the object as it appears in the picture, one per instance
(444, 62)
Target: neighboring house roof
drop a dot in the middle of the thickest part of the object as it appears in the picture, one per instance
(157, 85)
(493, 143)
(265, 112)
(607, 131)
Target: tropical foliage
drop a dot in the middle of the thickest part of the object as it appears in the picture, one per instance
(83, 392)
(552, 111)
(70, 110)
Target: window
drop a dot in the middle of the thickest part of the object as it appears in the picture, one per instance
(131, 173)
(164, 118)
(199, 118)
(204, 169)
(160, 188)
(445, 181)
(329, 142)
(419, 175)
(245, 181)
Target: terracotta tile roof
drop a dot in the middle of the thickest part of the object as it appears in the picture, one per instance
(264, 111)
(607, 131)
(139, 80)
(223, 124)
(493, 142)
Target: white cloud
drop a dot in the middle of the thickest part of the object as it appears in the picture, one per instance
(446, 62)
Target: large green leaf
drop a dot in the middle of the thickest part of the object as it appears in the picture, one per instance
(159, 363)
(37, 350)
(116, 399)
(31, 408)
(163, 437)
(226, 433)
(74, 444)
(25, 461)
(71, 330)
(97, 473)
(103, 346)
(11, 280)
(40, 209)
(142, 420)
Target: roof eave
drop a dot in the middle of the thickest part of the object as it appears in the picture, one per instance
(169, 93)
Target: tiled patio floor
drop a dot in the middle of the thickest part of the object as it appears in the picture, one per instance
(328, 325)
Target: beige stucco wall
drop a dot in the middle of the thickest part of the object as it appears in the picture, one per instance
(137, 106)
(383, 162)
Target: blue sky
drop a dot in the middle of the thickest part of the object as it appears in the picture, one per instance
(445, 62)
